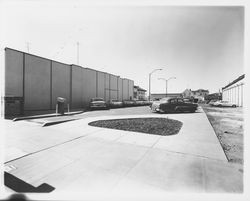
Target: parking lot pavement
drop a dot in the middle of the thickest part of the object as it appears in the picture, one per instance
(74, 157)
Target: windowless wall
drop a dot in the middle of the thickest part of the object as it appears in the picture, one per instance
(39, 81)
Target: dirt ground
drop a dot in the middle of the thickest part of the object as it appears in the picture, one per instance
(228, 124)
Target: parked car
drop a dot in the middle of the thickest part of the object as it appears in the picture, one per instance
(146, 102)
(173, 105)
(139, 102)
(128, 103)
(187, 100)
(97, 103)
(211, 102)
(113, 103)
(222, 103)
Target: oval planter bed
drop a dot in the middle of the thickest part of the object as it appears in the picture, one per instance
(155, 126)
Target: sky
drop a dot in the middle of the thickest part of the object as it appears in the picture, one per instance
(202, 46)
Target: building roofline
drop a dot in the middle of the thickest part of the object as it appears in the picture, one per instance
(233, 82)
(75, 65)
(204, 90)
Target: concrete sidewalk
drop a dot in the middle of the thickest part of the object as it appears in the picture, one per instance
(74, 156)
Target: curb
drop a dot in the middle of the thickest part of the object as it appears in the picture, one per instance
(46, 116)
(56, 122)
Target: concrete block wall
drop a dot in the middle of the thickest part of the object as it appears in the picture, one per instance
(39, 81)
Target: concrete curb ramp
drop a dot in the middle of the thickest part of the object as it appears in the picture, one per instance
(46, 116)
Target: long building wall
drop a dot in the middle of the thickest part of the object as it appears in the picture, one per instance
(234, 93)
(39, 81)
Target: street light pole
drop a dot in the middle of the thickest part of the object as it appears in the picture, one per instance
(167, 83)
(149, 87)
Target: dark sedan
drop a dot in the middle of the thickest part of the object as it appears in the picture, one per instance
(97, 103)
(173, 105)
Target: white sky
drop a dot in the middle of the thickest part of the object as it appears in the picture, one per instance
(201, 46)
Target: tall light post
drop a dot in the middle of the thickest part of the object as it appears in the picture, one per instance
(167, 82)
(149, 88)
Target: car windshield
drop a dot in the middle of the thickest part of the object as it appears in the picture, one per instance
(114, 100)
(96, 99)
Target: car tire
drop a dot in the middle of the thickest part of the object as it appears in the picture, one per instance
(220, 105)
(234, 106)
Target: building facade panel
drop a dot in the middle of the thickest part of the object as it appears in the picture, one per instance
(89, 85)
(77, 84)
(113, 82)
(130, 89)
(61, 82)
(120, 89)
(113, 94)
(113, 88)
(13, 73)
(125, 89)
(107, 87)
(100, 84)
(37, 83)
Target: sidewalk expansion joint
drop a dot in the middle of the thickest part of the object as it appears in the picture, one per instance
(142, 157)
(47, 148)
(194, 155)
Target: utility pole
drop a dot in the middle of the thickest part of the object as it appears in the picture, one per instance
(77, 44)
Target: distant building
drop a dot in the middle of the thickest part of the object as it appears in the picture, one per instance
(187, 93)
(233, 92)
(199, 94)
(159, 96)
(139, 93)
(214, 96)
